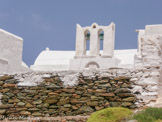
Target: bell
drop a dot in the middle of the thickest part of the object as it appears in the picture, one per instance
(101, 36)
(87, 36)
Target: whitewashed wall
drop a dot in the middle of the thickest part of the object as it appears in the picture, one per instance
(11, 47)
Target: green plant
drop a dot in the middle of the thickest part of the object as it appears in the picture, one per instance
(149, 115)
(112, 114)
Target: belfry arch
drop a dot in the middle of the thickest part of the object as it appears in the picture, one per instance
(100, 40)
(86, 42)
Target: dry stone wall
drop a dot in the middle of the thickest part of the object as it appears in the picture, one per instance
(149, 58)
(145, 85)
(77, 93)
(52, 98)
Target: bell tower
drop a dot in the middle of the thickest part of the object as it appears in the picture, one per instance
(94, 34)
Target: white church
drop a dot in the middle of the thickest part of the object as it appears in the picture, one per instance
(80, 59)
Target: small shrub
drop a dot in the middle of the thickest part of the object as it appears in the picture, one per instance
(112, 114)
(149, 115)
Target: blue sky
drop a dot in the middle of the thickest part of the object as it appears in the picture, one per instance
(52, 23)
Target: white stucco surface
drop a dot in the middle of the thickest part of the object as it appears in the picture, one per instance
(152, 30)
(126, 57)
(49, 60)
(54, 58)
(11, 47)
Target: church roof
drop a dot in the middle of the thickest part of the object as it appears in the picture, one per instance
(50, 57)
